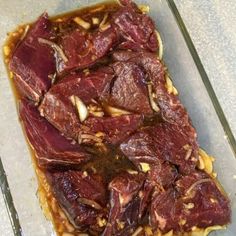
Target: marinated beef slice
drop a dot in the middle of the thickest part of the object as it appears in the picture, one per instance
(114, 129)
(136, 30)
(194, 201)
(125, 203)
(51, 148)
(81, 195)
(57, 106)
(32, 62)
(162, 143)
(83, 49)
(129, 89)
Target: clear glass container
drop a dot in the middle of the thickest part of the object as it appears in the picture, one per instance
(17, 179)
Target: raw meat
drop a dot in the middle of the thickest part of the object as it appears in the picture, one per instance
(195, 200)
(83, 197)
(32, 62)
(52, 149)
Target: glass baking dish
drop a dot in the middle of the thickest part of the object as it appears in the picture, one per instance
(17, 179)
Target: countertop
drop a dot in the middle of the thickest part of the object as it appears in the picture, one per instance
(212, 27)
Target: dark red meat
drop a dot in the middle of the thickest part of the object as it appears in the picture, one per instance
(124, 202)
(137, 30)
(163, 143)
(84, 49)
(116, 129)
(52, 149)
(170, 106)
(151, 65)
(129, 89)
(194, 201)
(32, 63)
(83, 197)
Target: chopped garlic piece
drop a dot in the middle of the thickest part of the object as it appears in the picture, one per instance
(59, 20)
(137, 231)
(207, 161)
(80, 107)
(113, 111)
(105, 27)
(97, 113)
(186, 147)
(81, 22)
(182, 222)
(200, 164)
(213, 200)
(85, 174)
(148, 230)
(120, 224)
(121, 199)
(100, 134)
(144, 8)
(160, 51)
(86, 71)
(95, 20)
(145, 167)
(103, 22)
(175, 91)
(11, 75)
(101, 222)
(214, 175)
(132, 172)
(169, 86)
(151, 99)
(189, 205)
(6, 50)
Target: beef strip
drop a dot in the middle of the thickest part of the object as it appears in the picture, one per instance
(162, 143)
(124, 203)
(129, 90)
(52, 149)
(147, 60)
(115, 129)
(57, 107)
(84, 49)
(32, 62)
(81, 195)
(195, 200)
(137, 30)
